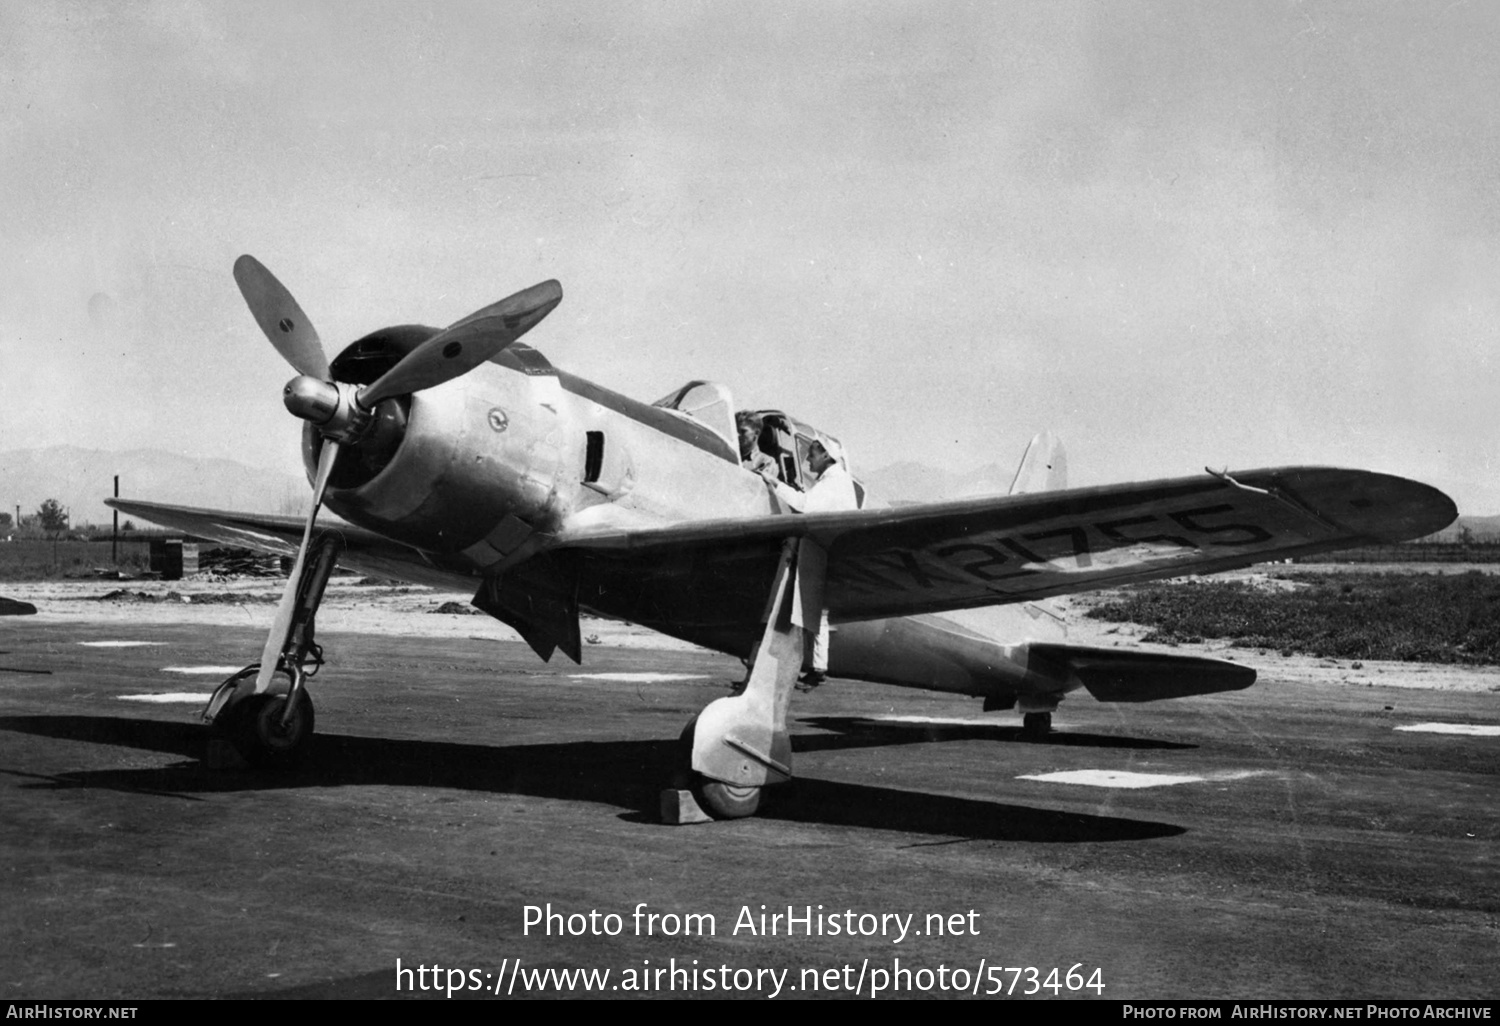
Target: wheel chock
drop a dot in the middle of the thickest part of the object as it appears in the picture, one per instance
(680, 808)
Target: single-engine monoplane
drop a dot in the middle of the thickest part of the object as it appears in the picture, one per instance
(461, 457)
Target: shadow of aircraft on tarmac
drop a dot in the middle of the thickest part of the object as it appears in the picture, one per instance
(624, 774)
(871, 732)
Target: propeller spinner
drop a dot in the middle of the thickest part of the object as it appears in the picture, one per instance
(342, 411)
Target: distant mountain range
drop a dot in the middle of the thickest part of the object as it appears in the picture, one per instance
(81, 479)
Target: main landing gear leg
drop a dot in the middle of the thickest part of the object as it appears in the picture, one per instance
(739, 744)
(271, 729)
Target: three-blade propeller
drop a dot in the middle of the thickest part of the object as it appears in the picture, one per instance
(449, 354)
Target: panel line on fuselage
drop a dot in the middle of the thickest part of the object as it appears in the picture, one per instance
(700, 436)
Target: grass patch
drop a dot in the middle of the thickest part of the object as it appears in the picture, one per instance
(1431, 618)
(39, 559)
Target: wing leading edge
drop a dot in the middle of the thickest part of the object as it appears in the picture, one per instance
(940, 556)
(1017, 548)
(364, 550)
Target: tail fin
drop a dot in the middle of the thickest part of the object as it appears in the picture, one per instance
(1044, 467)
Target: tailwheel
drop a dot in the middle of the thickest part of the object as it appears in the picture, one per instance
(725, 801)
(264, 735)
(1036, 726)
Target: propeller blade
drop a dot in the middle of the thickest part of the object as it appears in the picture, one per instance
(466, 344)
(280, 318)
(282, 625)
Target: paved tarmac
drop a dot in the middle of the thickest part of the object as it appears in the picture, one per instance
(1293, 842)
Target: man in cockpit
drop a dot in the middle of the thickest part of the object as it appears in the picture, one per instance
(751, 456)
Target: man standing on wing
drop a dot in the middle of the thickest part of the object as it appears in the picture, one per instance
(832, 491)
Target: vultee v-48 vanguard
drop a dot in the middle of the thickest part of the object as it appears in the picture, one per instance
(462, 458)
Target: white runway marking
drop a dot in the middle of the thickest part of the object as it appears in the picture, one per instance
(940, 721)
(1470, 729)
(638, 678)
(205, 670)
(120, 644)
(1112, 778)
(1122, 778)
(174, 697)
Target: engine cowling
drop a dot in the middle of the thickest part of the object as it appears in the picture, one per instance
(462, 468)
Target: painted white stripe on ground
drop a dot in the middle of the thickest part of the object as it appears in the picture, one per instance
(638, 678)
(942, 721)
(1470, 729)
(204, 670)
(1112, 778)
(175, 696)
(120, 644)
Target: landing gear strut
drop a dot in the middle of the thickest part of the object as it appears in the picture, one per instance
(270, 725)
(739, 745)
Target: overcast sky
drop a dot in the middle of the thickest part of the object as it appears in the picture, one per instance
(1176, 234)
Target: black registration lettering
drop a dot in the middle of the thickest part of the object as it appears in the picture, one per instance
(915, 572)
(861, 577)
(1076, 536)
(1112, 531)
(984, 569)
(1252, 533)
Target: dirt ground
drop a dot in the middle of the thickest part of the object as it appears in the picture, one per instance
(413, 611)
(405, 610)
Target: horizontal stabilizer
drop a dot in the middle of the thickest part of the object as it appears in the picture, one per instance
(1112, 675)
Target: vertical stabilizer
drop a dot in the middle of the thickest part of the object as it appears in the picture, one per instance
(1044, 466)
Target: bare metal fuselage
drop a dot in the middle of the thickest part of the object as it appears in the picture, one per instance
(491, 466)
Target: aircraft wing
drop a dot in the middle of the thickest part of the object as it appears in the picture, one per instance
(1018, 548)
(364, 550)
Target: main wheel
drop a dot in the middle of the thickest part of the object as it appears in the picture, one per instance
(256, 730)
(718, 799)
(726, 801)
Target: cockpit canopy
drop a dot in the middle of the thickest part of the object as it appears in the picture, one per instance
(786, 440)
(708, 403)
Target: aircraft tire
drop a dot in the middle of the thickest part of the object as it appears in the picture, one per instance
(718, 799)
(726, 801)
(1036, 726)
(257, 733)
